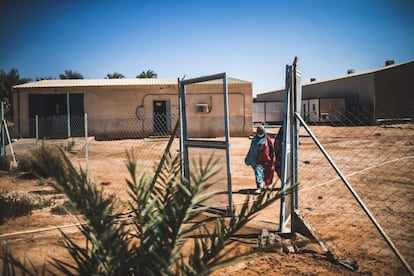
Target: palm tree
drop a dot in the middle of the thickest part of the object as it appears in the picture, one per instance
(7, 81)
(69, 74)
(115, 75)
(45, 78)
(147, 75)
(166, 218)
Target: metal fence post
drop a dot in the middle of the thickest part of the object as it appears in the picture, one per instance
(68, 115)
(37, 129)
(86, 146)
(2, 127)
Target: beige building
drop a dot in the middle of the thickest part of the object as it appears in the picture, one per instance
(128, 108)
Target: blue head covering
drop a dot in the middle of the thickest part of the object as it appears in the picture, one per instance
(260, 131)
(258, 141)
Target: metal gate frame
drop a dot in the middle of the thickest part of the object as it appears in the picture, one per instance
(289, 173)
(186, 143)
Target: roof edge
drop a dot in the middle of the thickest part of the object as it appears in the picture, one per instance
(111, 82)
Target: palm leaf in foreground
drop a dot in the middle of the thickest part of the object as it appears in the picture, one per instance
(169, 233)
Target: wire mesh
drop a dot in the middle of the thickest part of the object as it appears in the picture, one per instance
(377, 160)
(108, 152)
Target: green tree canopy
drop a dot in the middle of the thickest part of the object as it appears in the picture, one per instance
(115, 75)
(45, 78)
(149, 74)
(7, 81)
(69, 74)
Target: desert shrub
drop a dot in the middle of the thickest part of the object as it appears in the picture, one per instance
(36, 163)
(70, 145)
(13, 204)
(166, 216)
(63, 209)
(25, 164)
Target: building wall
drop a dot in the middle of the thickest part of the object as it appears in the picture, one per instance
(114, 111)
(323, 110)
(259, 113)
(394, 96)
(211, 124)
(384, 93)
(128, 110)
(357, 90)
(122, 102)
(268, 112)
(274, 96)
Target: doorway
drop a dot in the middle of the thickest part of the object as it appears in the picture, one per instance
(161, 117)
(59, 115)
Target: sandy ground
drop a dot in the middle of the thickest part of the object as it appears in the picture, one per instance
(333, 212)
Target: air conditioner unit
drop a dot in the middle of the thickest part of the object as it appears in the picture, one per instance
(325, 116)
(202, 108)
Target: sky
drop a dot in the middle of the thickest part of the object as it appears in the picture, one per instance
(252, 40)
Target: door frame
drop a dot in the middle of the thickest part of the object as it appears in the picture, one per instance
(161, 121)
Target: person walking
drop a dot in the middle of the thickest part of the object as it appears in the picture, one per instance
(260, 158)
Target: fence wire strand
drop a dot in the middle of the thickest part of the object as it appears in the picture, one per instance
(377, 159)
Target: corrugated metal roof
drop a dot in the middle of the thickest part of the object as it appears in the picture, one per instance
(110, 82)
(230, 80)
(96, 82)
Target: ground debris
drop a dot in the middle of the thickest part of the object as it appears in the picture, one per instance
(297, 243)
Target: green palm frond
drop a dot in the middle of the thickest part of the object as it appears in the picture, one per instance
(164, 212)
(168, 233)
(108, 251)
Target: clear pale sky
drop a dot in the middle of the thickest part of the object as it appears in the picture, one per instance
(251, 40)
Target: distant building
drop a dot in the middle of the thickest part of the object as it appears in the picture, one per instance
(128, 108)
(385, 93)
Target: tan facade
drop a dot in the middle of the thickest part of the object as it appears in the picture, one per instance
(126, 107)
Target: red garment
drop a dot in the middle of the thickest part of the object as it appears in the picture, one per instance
(269, 171)
(266, 160)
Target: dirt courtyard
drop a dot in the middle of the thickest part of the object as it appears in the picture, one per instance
(34, 237)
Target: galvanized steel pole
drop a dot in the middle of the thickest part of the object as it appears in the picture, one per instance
(3, 144)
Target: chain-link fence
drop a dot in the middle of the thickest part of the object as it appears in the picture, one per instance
(376, 158)
(378, 161)
(104, 154)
